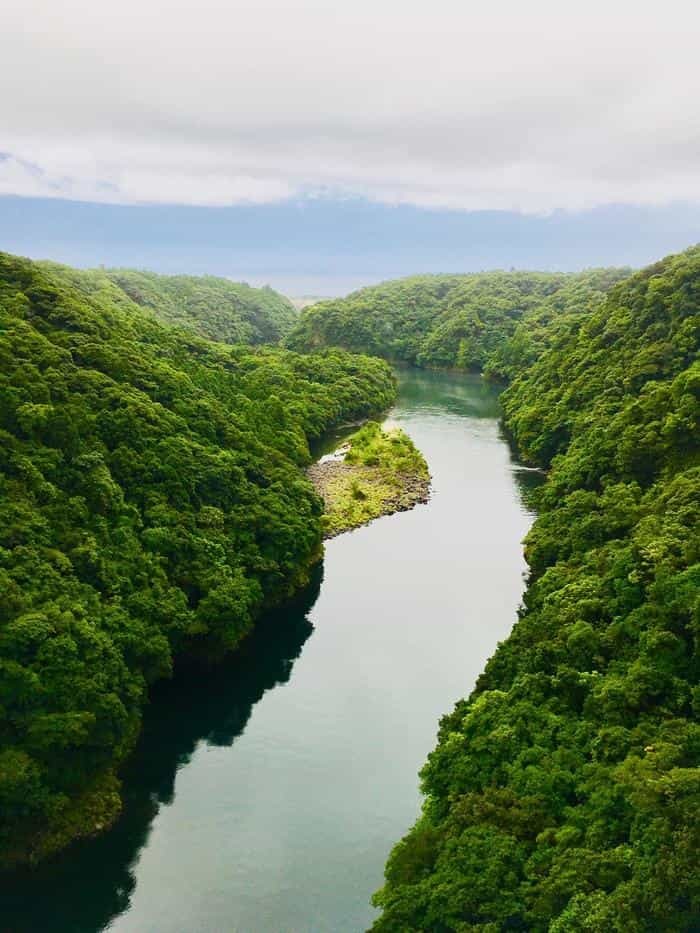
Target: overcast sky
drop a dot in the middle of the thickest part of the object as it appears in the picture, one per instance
(526, 106)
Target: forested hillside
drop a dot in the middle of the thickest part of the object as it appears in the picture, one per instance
(215, 308)
(451, 321)
(564, 794)
(152, 503)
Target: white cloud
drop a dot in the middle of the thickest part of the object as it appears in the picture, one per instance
(505, 105)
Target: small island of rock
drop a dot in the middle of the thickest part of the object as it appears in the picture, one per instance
(376, 472)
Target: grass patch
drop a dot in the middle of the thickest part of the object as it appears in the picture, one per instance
(382, 472)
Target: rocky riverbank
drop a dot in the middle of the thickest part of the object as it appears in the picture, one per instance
(375, 473)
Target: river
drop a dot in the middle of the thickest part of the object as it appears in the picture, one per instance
(265, 796)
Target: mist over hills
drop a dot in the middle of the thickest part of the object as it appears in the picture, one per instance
(326, 246)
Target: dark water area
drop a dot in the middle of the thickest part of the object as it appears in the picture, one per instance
(265, 794)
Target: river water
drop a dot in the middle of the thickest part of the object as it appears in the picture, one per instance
(265, 796)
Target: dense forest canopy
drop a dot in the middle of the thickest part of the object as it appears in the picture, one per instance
(152, 502)
(215, 308)
(564, 794)
(473, 322)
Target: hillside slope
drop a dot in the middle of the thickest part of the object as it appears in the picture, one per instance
(448, 321)
(215, 308)
(152, 503)
(564, 794)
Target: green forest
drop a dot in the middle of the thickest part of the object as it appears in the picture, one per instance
(492, 321)
(564, 793)
(215, 308)
(153, 502)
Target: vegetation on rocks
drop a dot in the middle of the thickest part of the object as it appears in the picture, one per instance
(377, 472)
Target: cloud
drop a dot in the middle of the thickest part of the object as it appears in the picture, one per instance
(504, 105)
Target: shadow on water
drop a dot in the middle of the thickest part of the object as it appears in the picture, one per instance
(85, 888)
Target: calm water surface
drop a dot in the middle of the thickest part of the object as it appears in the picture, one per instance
(266, 796)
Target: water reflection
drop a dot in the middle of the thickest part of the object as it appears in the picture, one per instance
(466, 395)
(87, 887)
(425, 392)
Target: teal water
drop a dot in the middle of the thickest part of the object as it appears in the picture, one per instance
(266, 795)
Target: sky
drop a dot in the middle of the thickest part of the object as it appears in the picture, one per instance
(352, 140)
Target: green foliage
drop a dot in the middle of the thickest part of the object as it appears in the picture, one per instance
(152, 502)
(215, 308)
(564, 794)
(549, 319)
(392, 449)
(492, 321)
